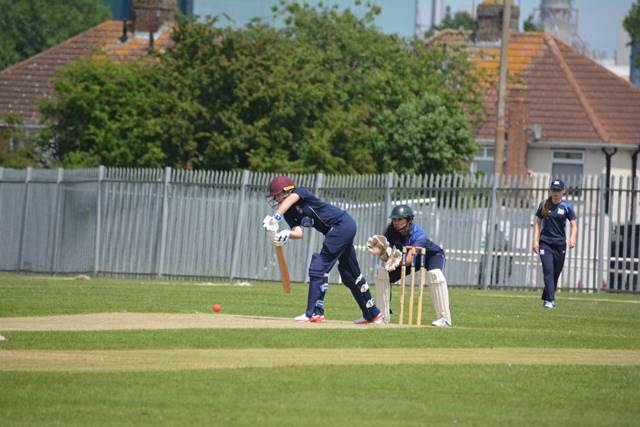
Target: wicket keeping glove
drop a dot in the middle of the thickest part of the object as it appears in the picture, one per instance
(378, 246)
(280, 238)
(394, 260)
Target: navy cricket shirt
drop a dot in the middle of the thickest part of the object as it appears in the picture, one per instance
(553, 227)
(310, 211)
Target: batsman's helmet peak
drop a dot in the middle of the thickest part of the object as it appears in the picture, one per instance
(280, 184)
(401, 211)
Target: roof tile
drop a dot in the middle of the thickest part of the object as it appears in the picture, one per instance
(31, 78)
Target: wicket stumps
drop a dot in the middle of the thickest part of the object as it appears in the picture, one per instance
(403, 282)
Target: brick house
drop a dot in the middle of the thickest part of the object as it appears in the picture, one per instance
(22, 84)
(565, 115)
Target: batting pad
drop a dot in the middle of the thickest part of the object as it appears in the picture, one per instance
(439, 294)
(383, 293)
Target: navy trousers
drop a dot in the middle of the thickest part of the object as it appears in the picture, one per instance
(338, 247)
(552, 258)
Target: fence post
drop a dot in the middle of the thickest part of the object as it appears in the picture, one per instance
(96, 253)
(1, 174)
(25, 214)
(601, 218)
(387, 197)
(488, 250)
(241, 216)
(56, 222)
(165, 218)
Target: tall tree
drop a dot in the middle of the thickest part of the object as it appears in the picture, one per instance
(461, 20)
(530, 25)
(631, 23)
(106, 113)
(31, 26)
(305, 97)
(12, 154)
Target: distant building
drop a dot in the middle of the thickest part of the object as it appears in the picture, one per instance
(23, 84)
(123, 9)
(565, 115)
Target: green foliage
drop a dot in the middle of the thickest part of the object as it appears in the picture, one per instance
(303, 98)
(461, 20)
(426, 135)
(17, 148)
(31, 26)
(529, 25)
(105, 113)
(631, 22)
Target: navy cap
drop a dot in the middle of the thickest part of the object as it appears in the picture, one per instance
(557, 184)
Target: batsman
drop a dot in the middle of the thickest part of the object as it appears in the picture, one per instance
(403, 232)
(301, 209)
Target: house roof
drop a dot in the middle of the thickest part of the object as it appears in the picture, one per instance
(23, 83)
(573, 99)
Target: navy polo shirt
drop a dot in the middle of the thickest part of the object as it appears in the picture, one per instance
(416, 237)
(310, 211)
(553, 227)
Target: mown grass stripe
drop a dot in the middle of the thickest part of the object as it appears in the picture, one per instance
(190, 359)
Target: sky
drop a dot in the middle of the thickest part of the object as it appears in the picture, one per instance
(599, 21)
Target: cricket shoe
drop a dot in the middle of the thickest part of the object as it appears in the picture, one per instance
(377, 319)
(441, 323)
(315, 318)
(549, 304)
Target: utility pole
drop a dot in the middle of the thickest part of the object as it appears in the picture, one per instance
(502, 88)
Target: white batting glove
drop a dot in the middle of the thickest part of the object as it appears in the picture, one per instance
(280, 238)
(395, 258)
(270, 224)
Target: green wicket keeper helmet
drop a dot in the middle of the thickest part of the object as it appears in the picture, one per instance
(401, 211)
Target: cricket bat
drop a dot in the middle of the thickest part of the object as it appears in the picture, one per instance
(284, 270)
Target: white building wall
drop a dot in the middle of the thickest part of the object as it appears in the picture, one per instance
(540, 160)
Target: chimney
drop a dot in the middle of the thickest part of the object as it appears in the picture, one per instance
(150, 15)
(489, 19)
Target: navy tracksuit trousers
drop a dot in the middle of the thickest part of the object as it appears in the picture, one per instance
(338, 247)
(552, 258)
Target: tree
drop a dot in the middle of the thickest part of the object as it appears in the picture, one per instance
(631, 24)
(529, 25)
(461, 20)
(12, 154)
(306, 97)
(426, 135)
(31, 26)
(106, 113)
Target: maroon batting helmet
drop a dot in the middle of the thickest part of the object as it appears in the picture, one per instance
(280, 184)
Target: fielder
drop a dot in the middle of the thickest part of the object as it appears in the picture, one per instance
(403, 232)
(299, 207)
(550, 240)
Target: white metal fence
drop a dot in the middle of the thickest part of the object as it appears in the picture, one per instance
(168, 223)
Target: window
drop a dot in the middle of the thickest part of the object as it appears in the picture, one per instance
(483, 162)
(567, 164)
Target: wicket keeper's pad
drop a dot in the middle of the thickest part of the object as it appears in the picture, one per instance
(439, 294)
(383, 293)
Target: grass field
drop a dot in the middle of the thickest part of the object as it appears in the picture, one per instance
(506, 362)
